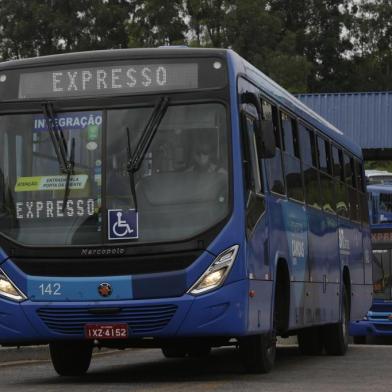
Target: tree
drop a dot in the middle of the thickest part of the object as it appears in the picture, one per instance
(41, 27)
(251, 29)
(207, 21)
(308, 45)
(156, 23)
(319, 28)
(372, 36)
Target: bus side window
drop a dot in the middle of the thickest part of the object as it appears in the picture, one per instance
(309, 166)
(340, 186)
(274, 165)
(322, 155)
(337, 168)
(251, 162)
(347, 169)
(350, 185)
(326, 181)
(363, 196)
(292, 163)
(353, 194)
(255, 203)
(359, 173)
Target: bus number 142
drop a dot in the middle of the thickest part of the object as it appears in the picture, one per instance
(50, 289)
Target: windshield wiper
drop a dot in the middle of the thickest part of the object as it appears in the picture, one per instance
(70, 171)
(135, 159)
(57, 137)
(131, 173)
(60, 147)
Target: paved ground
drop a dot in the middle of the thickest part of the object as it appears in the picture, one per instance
(364, 368)
(26, 353)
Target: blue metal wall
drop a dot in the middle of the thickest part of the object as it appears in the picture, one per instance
(366, 118)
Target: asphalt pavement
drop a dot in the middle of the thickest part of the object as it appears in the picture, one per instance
(364, 368)
(37, 353)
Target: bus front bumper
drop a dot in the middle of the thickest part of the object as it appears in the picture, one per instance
(220, 313)
(370, 328)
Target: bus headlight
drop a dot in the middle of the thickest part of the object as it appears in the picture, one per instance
(9, 290)
(216, 273)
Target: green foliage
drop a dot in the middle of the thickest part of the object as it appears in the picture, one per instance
(379, 165)
(41, 27)
(307, 45)
(156, 23)
(372, 35)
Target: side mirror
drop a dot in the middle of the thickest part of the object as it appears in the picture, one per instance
(251, 99)
(265, 129)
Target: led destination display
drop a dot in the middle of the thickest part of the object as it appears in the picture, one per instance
(381, 236)
(117, 79)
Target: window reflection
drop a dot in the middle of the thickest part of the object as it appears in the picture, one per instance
(182, 184)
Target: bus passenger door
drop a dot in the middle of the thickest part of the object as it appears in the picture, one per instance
(256, 228)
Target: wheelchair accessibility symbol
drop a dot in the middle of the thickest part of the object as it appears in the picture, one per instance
(123, 225)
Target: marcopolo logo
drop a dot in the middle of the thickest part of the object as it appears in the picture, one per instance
(123, 225)
(105, 289)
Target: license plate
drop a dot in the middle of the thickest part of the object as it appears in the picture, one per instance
(106, 331)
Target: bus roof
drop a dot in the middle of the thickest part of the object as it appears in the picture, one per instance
(239, 66)
(111, 54)
(377, 173)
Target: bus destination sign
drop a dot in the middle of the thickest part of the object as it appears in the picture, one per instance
(381, 236)
(108, 80)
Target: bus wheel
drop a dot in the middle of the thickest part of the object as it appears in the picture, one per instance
(310, 341)
(258, 352)
(359, 339)
(173, 352)
(71, 358)
(336, 335)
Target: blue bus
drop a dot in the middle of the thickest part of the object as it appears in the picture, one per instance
(174, 198)
(378, 321)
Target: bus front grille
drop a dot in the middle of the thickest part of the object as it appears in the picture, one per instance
(140, 319)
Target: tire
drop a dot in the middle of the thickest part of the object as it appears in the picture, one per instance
(258, 353)
(173, 352)
(310, 341)
(359, 339)
(336, 335)
(71, 358)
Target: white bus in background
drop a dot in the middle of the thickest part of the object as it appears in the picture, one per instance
(378, 177)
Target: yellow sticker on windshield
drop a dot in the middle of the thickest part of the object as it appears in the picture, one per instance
(50, 183)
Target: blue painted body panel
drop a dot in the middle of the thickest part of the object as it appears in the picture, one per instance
(78, 289)
(221, 313)
(3, 256)
(306, 238)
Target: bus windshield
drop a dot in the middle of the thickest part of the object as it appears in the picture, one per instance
(382, 277)
(181, 186)
(381, 207)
